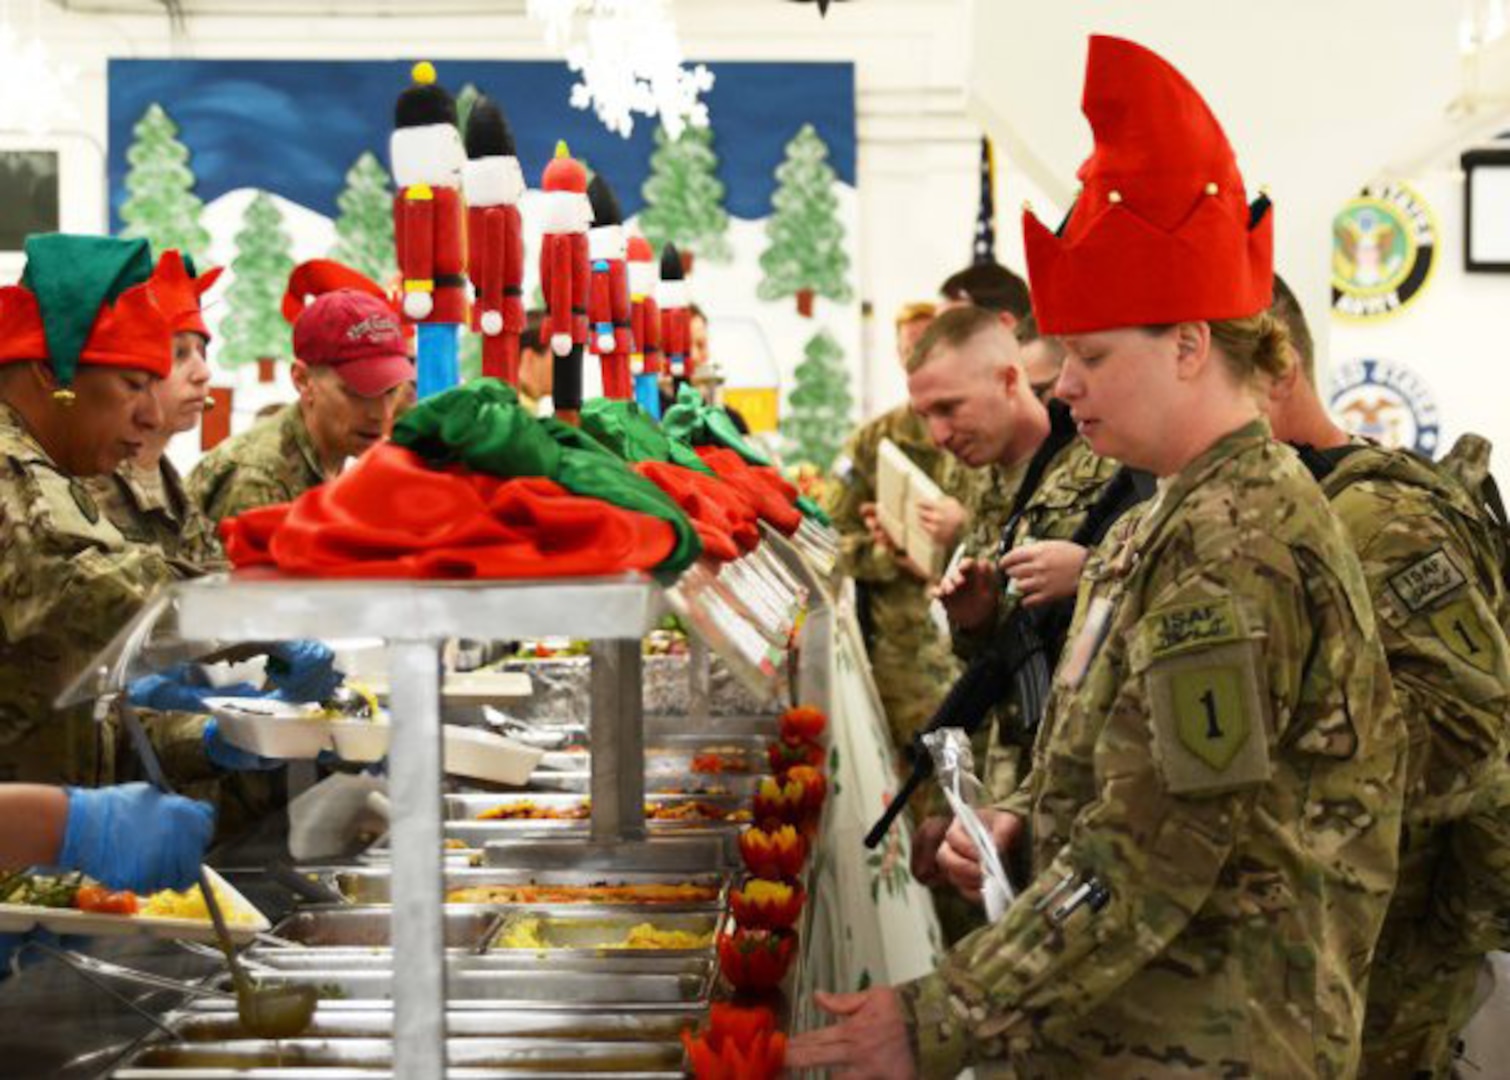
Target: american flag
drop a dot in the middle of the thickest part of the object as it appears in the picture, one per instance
(985, 219)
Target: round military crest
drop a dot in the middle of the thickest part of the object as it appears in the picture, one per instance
(1383, 250)
(1388, 402)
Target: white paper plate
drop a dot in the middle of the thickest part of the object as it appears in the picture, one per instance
(18, 918)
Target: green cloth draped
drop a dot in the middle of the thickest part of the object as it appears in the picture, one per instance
(696, 422)
(482, 426)
(632, 433)
(813, 510)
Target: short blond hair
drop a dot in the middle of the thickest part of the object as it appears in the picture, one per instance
(953, 328)
(913, 311)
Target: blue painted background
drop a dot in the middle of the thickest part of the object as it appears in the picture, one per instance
(296, 127)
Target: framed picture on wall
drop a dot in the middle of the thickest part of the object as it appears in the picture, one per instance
(54, 182)
(29, 195)
(1486, 210)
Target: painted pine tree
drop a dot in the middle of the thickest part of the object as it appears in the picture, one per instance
(805, 256)
(161, 205)
(684, 198)
(817, 413)
(466, 97)
(254, 327)
(364, 226)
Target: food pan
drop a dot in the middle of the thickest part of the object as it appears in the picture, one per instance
(514, 989)
(593, 930)
(504, 1056)
(339, 926)
(373, 885)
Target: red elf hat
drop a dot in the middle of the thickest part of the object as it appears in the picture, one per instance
(180, 294)
(1162, 231)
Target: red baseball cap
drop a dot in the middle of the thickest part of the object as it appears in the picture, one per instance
(359, 336)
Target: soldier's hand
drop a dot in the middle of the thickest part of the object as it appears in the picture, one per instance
(926, 841)
(960, 861)
(1045, 571)
(872, 519)
(942, 519)
(968, 593)
(870, 1039)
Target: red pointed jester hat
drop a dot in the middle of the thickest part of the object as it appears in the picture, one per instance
(1162, 231)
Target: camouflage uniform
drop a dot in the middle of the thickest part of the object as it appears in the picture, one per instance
(273, 462)
(1068, 488)
(1441, 609)
(1218, 784)
(908, 654)
(69, 581)
(151, 507)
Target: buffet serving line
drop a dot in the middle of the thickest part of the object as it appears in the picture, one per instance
(681, 832)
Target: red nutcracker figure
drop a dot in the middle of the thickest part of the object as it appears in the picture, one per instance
(676, 319)
(428, 225)
(493, 184)
(564, 273)
(645, 324)
(608, 301)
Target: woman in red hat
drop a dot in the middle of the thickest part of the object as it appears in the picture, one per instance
(146, 498)
(1214, 805)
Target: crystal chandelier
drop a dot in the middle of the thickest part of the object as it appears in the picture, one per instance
(628, 59)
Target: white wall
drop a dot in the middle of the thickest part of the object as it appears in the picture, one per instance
(1317, 99)
(917, 147)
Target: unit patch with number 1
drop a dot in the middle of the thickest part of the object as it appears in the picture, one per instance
(1207, 699)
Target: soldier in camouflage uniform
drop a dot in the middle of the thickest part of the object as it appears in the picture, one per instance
(909, 657)
(70, 580)
(1214, 807)
(145, 498)
(1044, 481)
(1434, 574)
(351, 368)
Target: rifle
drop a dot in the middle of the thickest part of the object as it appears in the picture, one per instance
(984, 684)
(1021, 660)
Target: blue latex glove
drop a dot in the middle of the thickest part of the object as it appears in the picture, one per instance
(135, 837)
(224, 755)
(182, 688)
(302, 671)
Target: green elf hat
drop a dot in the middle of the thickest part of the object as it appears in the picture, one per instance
(74, 279)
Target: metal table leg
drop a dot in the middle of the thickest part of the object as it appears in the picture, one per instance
(414, 777)
(618, 741)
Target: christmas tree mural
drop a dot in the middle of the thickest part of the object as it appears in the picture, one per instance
(684, 199)
(805, 256)
(817, 414)
(161, 205)
(254, 327)
(364, 227)
(466, 97)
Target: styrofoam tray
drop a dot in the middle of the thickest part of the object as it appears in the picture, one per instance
(18, 918)
(290, 731)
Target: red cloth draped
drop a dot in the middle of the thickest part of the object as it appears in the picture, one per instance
(391, 516)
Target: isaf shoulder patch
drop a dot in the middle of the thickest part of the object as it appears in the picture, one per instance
(1209, 712)
(1200, 625)
(1427, 580)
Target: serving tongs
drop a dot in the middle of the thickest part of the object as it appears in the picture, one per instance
(268, 1012)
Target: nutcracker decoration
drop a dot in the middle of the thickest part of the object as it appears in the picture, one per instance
(645, 324)
(493, 185)
(608, 300)
(564, 273)
(676, 316)
(428, 225)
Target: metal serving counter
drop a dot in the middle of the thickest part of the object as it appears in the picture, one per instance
(419, 978)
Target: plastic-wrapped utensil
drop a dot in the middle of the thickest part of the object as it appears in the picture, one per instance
(954, 763)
